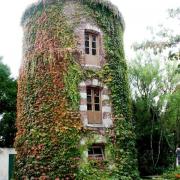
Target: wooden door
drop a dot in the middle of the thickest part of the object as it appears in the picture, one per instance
(94, 112)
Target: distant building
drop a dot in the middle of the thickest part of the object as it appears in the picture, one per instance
(7, 157)
(178, 157)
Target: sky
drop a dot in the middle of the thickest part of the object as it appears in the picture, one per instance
(138, 14)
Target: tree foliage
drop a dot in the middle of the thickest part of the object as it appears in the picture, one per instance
(8, 90)
(165, 37)
(154, 75)
(154, 99)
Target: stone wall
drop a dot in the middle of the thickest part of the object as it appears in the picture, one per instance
(76, 16)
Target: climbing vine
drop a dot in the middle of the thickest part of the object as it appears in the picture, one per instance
(48, 119)
(71, 79)
(115, 75)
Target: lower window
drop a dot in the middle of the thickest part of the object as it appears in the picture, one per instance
(96, 151)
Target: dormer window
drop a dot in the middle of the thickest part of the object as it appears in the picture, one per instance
(91, 48)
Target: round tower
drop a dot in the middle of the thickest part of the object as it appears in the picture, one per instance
(73, 107)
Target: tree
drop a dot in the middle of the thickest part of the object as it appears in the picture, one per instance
(164, 38)
(172, 116)
(8, 91)
(153, 89)
(154, 81)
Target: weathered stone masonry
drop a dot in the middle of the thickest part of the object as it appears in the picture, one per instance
(106, 104)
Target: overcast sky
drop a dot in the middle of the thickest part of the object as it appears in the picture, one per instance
(138, 14)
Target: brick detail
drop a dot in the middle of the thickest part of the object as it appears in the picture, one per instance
(106, 104)
(83, 108)
(82, 88)
(83, 101)
(105, 91)
(106, 115)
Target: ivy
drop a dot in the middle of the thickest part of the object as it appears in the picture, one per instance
(117, 81)
(48, 121)
(72, 79)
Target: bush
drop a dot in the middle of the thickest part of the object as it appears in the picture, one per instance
(171, 174)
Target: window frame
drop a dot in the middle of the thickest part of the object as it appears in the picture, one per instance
(87, 43)
(94, 116)
(93, 98)
(91, 43)
(94, 155)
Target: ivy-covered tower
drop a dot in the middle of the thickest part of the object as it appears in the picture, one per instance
(73, 108)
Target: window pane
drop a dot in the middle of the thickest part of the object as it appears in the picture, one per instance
(89, 91)
(94, 38)
(89, 99)
(89, 107)
(97, 150)
(97, 107)
(86, 37)
(87, 50)
(94, 45)
(93, 51)
(96, 92)
(86, 43)
(96, 100)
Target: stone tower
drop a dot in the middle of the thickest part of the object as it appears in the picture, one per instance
(73, 109)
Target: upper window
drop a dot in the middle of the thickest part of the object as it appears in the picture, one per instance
(94, 105)
(91, 44)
